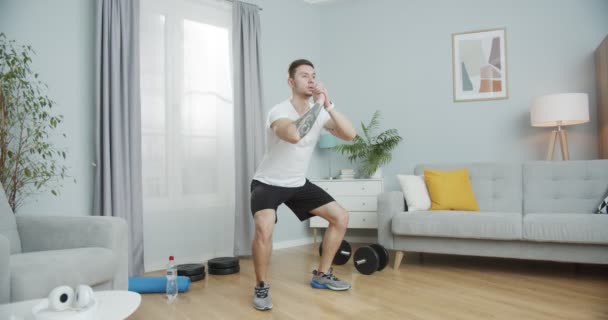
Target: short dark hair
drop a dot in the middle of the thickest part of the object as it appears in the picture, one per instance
(294, 65)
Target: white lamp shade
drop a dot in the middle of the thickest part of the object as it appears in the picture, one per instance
(562, 109)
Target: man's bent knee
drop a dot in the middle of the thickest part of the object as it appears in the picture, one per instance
(342, 219)
(264, 224)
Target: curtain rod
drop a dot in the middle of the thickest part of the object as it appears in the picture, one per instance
(253, 4)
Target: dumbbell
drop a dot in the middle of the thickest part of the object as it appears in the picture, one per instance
(372, 258)
(343, 254)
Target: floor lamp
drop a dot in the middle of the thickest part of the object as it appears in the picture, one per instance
(328, 141)
(558, 110)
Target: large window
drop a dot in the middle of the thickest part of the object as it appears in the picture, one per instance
(187, 106)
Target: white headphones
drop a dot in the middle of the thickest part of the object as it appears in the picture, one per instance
(64, 298)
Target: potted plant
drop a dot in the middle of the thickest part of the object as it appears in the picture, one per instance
(372, 150)
(29, 162)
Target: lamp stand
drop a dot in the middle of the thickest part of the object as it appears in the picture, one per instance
(563, 143)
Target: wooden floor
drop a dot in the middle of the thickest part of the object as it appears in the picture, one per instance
(437, 287)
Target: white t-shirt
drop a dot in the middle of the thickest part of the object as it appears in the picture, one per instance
(285, 164)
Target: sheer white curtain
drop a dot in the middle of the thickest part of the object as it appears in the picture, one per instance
(187, 130)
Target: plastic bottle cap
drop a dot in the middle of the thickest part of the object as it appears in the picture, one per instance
(171, 258)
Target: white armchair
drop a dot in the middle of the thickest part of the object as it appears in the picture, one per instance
(39, 253)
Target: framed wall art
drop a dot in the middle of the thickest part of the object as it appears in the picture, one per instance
(479, 65)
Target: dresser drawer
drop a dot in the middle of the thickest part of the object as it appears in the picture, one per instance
(359, 203)
(358, 196)
(351, 187)
(364, 220)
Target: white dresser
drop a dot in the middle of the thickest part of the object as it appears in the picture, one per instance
(358, 196)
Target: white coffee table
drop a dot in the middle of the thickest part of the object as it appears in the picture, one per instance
(112, 305)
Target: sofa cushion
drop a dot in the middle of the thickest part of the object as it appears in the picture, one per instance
(415, 192)
(459, 224)
(8, 225)
(35, 274)
(497, 186)
(450, 190)
(566, 227)
(564, 186)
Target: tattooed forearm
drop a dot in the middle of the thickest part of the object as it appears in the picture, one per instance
(306, 121)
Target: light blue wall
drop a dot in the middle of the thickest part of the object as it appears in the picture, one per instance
(396, 56)
(62, 33)
(390, 55)
(291, 29)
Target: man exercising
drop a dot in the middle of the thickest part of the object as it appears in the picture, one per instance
(292, 130)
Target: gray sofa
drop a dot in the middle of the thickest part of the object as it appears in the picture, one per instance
(39, 253)
(536, 210)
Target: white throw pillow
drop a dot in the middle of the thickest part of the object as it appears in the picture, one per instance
(415, 192)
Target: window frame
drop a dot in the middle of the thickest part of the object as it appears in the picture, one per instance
(175, 12)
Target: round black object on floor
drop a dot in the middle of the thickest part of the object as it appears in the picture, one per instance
(382, 254)
(223, 263)
(366, 260)
(223, 271)
(191, 269)
(197, 277)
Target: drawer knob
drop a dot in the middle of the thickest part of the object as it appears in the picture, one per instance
(362, 188)
(363, 203)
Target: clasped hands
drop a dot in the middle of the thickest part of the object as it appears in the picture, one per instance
(321, 96)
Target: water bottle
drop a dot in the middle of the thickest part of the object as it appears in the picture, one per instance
(171, 279)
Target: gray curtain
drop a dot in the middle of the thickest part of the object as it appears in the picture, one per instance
(248, 116)
(118, 186)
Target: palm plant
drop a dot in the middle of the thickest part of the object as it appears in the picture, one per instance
(372, 150)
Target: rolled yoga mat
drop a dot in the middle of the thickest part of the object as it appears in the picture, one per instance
(156, 284)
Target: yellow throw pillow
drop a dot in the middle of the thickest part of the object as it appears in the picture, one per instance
(450, 190)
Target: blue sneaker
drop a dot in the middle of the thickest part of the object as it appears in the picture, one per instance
(328, 281)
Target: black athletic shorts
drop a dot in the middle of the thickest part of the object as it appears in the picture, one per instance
(301, 200)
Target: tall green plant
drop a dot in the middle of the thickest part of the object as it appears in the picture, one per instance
(29, 162)
(372, 150)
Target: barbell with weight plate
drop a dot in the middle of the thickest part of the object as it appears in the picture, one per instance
(343, 254)
(369, 259)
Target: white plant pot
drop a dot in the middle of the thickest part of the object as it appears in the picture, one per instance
(377, 174)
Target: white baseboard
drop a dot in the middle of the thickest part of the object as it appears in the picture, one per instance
(161, 265)
(292, 243)
(306, 241)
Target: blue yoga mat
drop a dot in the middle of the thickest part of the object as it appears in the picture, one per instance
(156, 284)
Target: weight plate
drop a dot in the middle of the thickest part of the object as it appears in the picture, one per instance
(343, 254)
(224, 270)
(197, 277)
(382, 254)
(366, 260)
(223, 263)
(191, 269)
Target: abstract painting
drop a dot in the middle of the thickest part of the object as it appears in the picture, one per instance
(479, 63)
